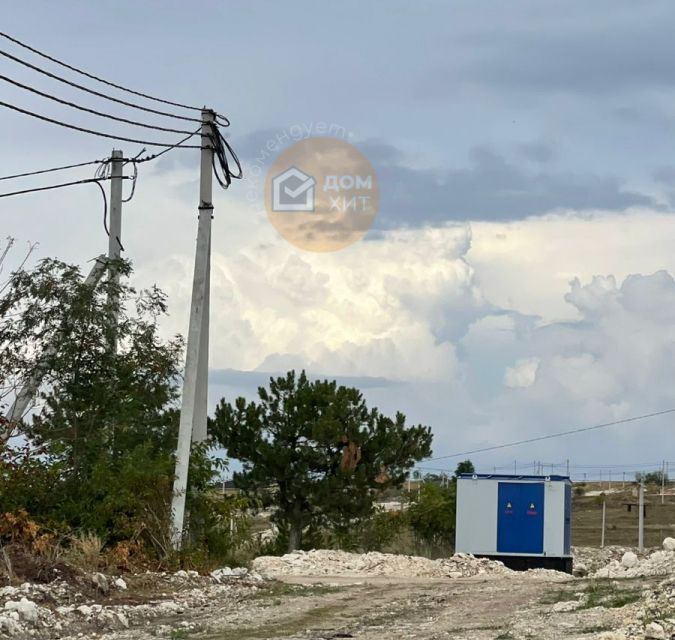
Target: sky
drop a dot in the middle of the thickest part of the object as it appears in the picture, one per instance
(518, 279)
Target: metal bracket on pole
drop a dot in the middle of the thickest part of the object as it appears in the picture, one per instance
(27, 392)
(193, 413)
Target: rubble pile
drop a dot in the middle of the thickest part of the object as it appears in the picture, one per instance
(632, 565)
(51, 610)
(587, 560)
(653, 616)
(341, 563)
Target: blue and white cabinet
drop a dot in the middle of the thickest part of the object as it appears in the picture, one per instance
(525, 521)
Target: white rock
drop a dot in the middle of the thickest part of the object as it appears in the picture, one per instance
(655, 631)
(26, 609)
(669, 544)
(629, 560)
(120, 584)
(222, 574)
(10, 625)
(100, 582)
(84, 610)
(169, 607)
(560, 607)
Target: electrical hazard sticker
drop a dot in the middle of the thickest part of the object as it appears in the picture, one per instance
(509, 509)
(532, 511)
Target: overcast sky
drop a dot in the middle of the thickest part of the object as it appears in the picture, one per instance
(518, 279)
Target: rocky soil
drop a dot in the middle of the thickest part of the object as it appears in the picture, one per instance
(327, 594)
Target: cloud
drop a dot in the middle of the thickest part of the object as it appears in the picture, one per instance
(233, 377)
(384, 309)
(613, 50)
(522, 374)
(490, 188)
(489, 332)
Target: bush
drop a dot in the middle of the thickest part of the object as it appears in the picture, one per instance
(432, 514)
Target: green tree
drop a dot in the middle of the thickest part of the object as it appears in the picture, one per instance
(324, 452)
(466, 466)
(431, 514)
(98, 452)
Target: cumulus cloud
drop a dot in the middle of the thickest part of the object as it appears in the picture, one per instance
(417, 309)
(389, 308)
(522, 374)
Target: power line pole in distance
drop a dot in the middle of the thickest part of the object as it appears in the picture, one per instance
(193, 411)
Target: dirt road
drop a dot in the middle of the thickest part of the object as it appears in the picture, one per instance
(377, 608)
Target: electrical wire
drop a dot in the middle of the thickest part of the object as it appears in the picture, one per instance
(221, 150)
(556, 435)
(35, 173)
(134, 178)
(55, 186)
(93, 77)
(178, 144)
(96, 93)
(98, 133)
(88, 110)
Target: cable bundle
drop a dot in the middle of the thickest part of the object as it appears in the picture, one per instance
(223, 156)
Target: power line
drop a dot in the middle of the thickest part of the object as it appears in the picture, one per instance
(35, 173)
(93, 77)
(88, 110)
(98, 133)
(556, 435)
(56, 186)
(96, 93)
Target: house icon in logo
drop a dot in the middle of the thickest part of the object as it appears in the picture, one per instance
(293, 190)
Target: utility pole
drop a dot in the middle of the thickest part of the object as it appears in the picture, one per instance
(115, 235)
(663, 481)
(193, 411)
(515, 468)
(604, 519)
(623, 480)
(567, 463)
(641, 517)
(609, 481)
(115, 224)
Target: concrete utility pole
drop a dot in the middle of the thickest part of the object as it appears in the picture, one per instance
(193, 411)
(663, 481)
(604, 519)
(641, 517)
(115, 234)
(115, 224)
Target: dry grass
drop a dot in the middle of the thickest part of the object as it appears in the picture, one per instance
(622, 526)
(85, 552)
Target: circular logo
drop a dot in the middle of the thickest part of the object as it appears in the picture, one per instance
(321, 194)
